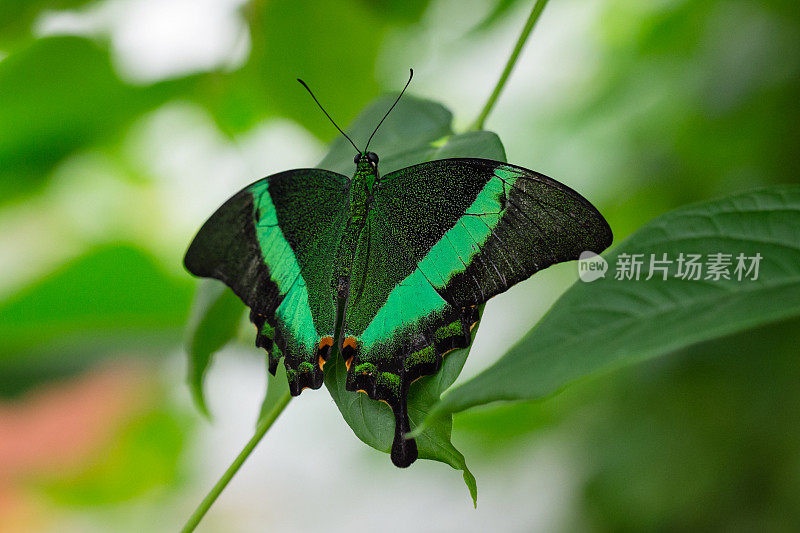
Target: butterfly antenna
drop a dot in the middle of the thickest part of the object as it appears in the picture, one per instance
(410, 75)
(327, 115)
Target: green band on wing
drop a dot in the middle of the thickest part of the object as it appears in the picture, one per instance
(294, 310)
(410, 300)
(457, 247)
(454, 251)
(415, 297)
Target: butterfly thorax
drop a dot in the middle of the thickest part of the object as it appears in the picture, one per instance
(361, 190)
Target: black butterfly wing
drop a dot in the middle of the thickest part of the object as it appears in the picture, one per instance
(274, 245)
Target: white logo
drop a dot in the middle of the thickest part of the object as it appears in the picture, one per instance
(591, 266)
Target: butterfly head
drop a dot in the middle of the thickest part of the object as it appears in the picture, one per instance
(367, 161)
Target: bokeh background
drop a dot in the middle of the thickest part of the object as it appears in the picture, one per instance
(124, 123)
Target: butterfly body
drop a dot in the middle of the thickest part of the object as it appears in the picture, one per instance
(360, 195)
(361, 188)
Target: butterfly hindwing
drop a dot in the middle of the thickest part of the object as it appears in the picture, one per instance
(272, 243)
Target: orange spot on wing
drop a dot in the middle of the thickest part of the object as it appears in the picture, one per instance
(348, 362)
(362, 390)
(351, 342)
(324, 342)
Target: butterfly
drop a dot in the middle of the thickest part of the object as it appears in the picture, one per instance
(387, 271)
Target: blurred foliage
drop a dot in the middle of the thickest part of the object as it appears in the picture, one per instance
(707, 442)
(59, 95)
(688, 100)
(142, 457)
(112, 299)
(215, 318)
(17, 17)
(682, 101)
(704, 440)
(332, 46)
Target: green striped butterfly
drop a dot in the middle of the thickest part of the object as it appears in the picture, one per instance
(387, 271)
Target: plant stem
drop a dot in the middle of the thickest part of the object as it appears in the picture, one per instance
(536, 12)
(263, 425)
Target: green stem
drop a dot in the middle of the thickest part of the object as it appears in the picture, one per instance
(263, 425)
(536, 12)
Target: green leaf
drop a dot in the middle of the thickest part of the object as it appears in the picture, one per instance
(608, 323)
(112, 299)
(276, 390)
(402, 11)
(373, 422)
(59, 95)
(407, 134)
(213, 322)
(416, 131)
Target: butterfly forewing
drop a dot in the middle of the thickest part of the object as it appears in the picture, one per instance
(273, 243)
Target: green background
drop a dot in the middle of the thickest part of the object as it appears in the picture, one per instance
(124, 124)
